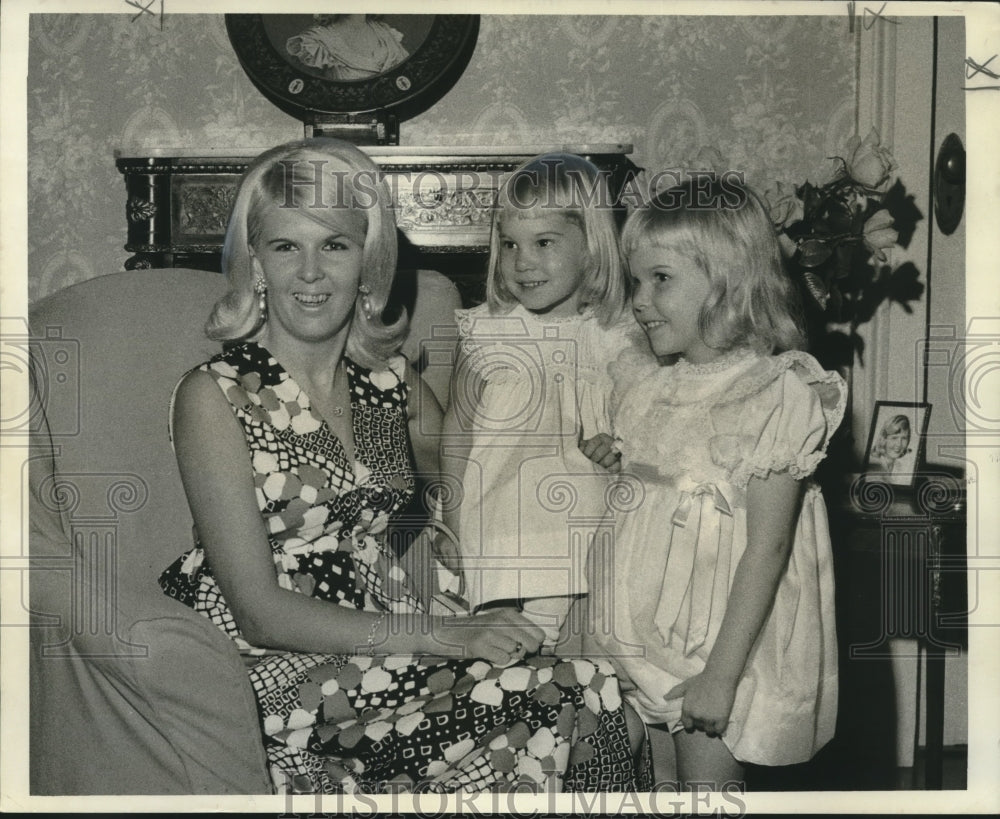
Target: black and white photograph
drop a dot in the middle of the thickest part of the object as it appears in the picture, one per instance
(895, 442)
(561, 407)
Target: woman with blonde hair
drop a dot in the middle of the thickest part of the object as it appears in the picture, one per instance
(294, 445)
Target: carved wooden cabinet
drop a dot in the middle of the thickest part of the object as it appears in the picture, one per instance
(178, 201)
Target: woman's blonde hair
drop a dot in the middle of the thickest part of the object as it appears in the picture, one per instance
(573, 187)
(296, 175)
(724, 228)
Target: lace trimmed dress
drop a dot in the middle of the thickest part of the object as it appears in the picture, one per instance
(531, 500)
(692, 437)
(370, 724)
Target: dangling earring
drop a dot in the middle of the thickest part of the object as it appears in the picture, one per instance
(260, 288)
(366, 304)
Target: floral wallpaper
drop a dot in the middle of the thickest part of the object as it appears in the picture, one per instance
(772, 96)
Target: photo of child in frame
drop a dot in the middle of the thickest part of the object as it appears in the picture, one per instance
(895, 441)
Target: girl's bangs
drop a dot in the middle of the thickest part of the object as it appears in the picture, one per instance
(666, 233)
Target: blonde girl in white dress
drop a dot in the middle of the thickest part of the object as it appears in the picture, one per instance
(531, 384)
(721, 578)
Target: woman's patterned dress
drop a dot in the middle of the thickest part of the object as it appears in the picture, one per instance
(374, 724)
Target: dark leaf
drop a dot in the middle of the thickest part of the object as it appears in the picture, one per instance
(805, 190)
(838, 216)
(812, 201)
(813, 252)
(798, 230)
(816, 288)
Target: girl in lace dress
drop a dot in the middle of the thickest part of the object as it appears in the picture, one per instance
(294, 445)
(530, 385)
(722, 581)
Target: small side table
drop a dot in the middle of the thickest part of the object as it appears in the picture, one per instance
(902, 557)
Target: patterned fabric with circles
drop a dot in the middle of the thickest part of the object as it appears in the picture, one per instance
(376, 724)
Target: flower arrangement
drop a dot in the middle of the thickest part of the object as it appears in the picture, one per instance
(826, 226)
(835, 236)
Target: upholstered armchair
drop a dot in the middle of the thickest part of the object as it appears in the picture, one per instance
(132, 692)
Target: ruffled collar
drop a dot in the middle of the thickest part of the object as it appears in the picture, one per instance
(543, 318)
(468, 317)
(727, 360)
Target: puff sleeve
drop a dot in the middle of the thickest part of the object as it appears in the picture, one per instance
(785, 425)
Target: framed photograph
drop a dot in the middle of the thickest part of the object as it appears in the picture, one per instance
(896, 440)
(311, 65)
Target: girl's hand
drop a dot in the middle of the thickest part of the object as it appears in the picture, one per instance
(499, 636)
(707, 704)
(603, 451)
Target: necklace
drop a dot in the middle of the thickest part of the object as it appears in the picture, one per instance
(333, 404)
(338, 409)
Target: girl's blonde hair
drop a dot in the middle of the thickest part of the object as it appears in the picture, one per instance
(898, 423)
(319, 177)
(573, 187)
(724, 228)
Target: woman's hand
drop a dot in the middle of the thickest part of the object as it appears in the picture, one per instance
(603, 451)
(707, 703)
(500, 636)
